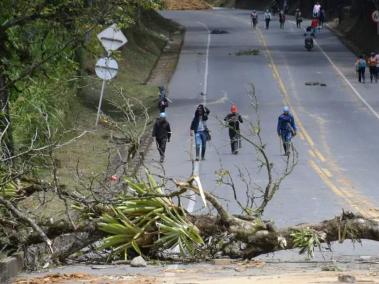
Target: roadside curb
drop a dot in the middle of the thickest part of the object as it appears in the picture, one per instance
(173, 47)
(10, 267)
(348, 43)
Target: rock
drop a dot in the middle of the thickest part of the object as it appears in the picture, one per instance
(222, 261)
(346, 278)
(240, 269)
(138, 262)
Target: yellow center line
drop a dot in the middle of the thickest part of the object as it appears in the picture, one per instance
(353, 198)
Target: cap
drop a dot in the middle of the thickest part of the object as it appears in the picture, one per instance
(162, 115)
(286, 109)
(233, 108)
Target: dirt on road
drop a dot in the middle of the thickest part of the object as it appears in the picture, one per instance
(185, 277)
(186, 5)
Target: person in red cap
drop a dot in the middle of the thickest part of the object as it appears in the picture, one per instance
(233, 120)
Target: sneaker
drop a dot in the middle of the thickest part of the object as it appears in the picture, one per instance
(202, 158)
(197, 159)
(161, 160)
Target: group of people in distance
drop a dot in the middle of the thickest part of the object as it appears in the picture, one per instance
(317, 20)
(286, 129)
(199, 129)
(372, 63)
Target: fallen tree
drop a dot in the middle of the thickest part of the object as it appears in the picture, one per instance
(145, 216)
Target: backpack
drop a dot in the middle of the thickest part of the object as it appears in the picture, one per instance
(362, 63)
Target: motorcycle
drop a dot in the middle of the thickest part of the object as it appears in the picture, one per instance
(308, 44)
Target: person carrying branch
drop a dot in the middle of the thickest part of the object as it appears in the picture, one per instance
(162, 134)
(286, 129)
(233, 120)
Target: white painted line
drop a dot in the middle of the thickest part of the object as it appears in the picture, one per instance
(206, 72)
(359, 96)
(196, 171)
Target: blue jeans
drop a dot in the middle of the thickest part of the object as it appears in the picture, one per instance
(286, 139)
(201, 142)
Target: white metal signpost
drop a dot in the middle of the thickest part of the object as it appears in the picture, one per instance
(106, 68)
(375, 18)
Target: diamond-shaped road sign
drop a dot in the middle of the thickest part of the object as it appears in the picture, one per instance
(112, 38)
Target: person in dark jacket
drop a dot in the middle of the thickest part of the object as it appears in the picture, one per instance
(199, 128)
(282, 19)
(162, 134)
(286, 129)
(299, 18)
(233, 120)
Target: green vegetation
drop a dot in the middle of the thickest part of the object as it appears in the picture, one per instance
(150, 223)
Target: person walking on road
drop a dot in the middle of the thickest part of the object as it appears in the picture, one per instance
(321, 17)
(233, 120)
(254, 19)
(267, 19)
(316, 10)
(163, 101)
(286, 129)
(200, 129)
(377, 65)
(360, 66)
(162, 134)
(314, 25)
(282, 19)
(372, 63)
(299, 18)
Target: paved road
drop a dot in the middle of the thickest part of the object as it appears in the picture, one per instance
(338, 122)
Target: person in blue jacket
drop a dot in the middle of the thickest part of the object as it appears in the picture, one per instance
(286, 129)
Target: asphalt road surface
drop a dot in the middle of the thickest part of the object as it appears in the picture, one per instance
(338, 122)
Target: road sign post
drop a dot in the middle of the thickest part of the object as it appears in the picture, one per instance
(375, 18)
(106, 68)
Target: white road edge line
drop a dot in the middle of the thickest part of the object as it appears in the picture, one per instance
(359, 96)
(206, 72)
(348, 82)
(196, 171)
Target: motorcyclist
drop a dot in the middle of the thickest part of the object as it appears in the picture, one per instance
(163, 101)
(286, 129)
(254, 18)
(308, 35)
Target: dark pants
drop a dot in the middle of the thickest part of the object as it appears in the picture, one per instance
(298, 24)
(201, 142)
(373, 74)
(254, 23)
(235, 142)
(161, 145)
(286, 136)
(361, 74)
(282, 24)
(267, 24)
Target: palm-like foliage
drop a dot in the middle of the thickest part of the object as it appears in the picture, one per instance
(150, 221)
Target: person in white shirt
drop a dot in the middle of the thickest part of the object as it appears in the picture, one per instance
(316, 9)
(267, 19)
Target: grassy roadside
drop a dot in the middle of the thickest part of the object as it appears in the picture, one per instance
(91, 155)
